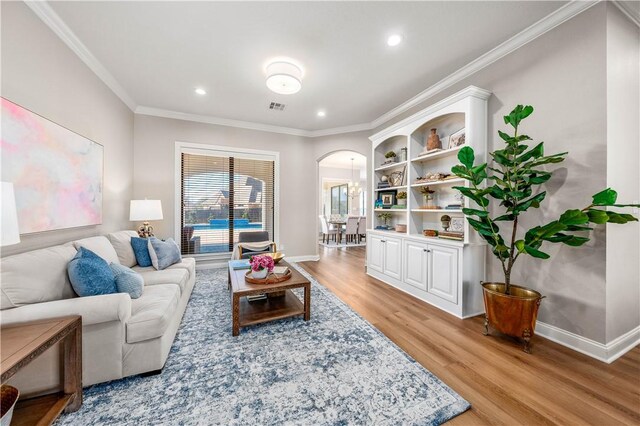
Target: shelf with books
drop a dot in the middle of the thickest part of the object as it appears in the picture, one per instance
(391, 188)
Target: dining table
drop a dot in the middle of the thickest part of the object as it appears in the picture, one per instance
(339, 224)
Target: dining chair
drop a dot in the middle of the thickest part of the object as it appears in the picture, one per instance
(351, 231)
(326, 230)
(362, 228)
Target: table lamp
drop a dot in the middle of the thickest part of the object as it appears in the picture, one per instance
(8, 216)
(145, 210)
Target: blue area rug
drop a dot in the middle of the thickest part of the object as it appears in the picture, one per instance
(333, 370)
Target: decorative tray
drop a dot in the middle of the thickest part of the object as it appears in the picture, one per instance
(270, 279)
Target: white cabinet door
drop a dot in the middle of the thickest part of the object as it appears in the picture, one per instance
(443, 272)
(415, 264)
(392, 257)
(375, 252)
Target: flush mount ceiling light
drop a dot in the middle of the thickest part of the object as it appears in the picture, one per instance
(394, 40)
(284, 77)
(322, 114)
(200, 91)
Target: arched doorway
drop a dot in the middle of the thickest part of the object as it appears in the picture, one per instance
(342, 193)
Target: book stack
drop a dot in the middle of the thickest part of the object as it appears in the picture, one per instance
(240, 264)
(382, 185)
(449, 235)
(456, 206)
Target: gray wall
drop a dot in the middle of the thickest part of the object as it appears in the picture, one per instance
(563, 75)
(623, 158)
(40, 73)
(154, 170)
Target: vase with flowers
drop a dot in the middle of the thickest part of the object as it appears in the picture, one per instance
(261, 266)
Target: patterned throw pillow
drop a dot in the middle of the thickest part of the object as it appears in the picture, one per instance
(90, 274)
(163, 253)
(128, 280)
(141, 251)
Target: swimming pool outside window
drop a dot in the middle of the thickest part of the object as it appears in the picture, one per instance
(223, 195)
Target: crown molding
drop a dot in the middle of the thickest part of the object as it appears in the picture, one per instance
(566, 12)
(471, 91)
(630, 13)
(158, 112)
(57, 25)
(530, 33)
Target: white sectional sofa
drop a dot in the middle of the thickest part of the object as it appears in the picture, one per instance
(120, 336)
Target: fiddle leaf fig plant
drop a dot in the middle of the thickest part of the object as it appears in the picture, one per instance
(513, 180)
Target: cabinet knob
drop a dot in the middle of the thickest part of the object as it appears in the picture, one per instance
(426, 250)
(383, 241)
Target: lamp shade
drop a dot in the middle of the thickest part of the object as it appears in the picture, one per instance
(145, 210)
(8, 216)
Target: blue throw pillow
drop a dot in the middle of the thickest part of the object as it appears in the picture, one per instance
(90, 274)
(128, 280)
(141, 250)
(163, 253)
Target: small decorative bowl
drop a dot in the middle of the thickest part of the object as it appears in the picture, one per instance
(9, 398)
(277, 256)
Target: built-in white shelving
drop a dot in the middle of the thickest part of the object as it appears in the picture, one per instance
(443, 272)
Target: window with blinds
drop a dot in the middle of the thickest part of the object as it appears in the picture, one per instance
(222, 196)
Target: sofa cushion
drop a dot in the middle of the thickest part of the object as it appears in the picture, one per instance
(163, 253)
(121, 242)
(152, 312)
(140, 247)
(152, 277)
(36, 276)
(127, 280)
(90, 275)
(188, 263)
(100, 246)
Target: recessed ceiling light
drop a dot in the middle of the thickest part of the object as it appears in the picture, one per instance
(200, 91)
(284, 77)
(394, 40)
(321, 114)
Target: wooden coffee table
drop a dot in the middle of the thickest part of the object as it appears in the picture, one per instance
(282, 304)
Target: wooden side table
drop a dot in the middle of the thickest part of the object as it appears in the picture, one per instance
(22, 343)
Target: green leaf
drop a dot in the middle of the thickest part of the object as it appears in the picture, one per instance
(605, 198)
(574, 217)
(526, 111)
(535, 152)
(535, 253)
(474, 212)
(597, 216)
(531, 202)
(575, 241)
(466, 156)
(504, 136)
(620, 218)
(507, 217)
(461, 171)
(520, 245)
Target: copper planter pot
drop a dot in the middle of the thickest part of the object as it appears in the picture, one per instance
(513, 314)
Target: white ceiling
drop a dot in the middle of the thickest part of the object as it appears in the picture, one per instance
(342, 160)
(160, 51)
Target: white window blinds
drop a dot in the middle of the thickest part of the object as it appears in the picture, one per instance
(224, 195)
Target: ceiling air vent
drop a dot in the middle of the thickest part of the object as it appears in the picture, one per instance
(276, 106)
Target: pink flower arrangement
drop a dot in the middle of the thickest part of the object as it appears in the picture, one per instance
(260, 262)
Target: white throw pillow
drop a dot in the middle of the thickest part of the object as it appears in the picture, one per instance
(100, 246)
(121, 242)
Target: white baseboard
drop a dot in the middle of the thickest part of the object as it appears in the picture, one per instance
(307, 258)
(605, 353)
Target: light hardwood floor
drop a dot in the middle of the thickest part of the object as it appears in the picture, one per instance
(554, 385)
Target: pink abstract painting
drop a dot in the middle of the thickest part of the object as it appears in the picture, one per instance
(56, 173)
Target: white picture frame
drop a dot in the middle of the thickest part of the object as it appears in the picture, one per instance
(457, 139)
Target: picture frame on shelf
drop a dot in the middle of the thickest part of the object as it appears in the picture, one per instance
(456, 224)
(457, 139)
(387, 199)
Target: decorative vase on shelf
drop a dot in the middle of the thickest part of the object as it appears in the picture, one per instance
(260, 274)
(403, 154)
(434, 141)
